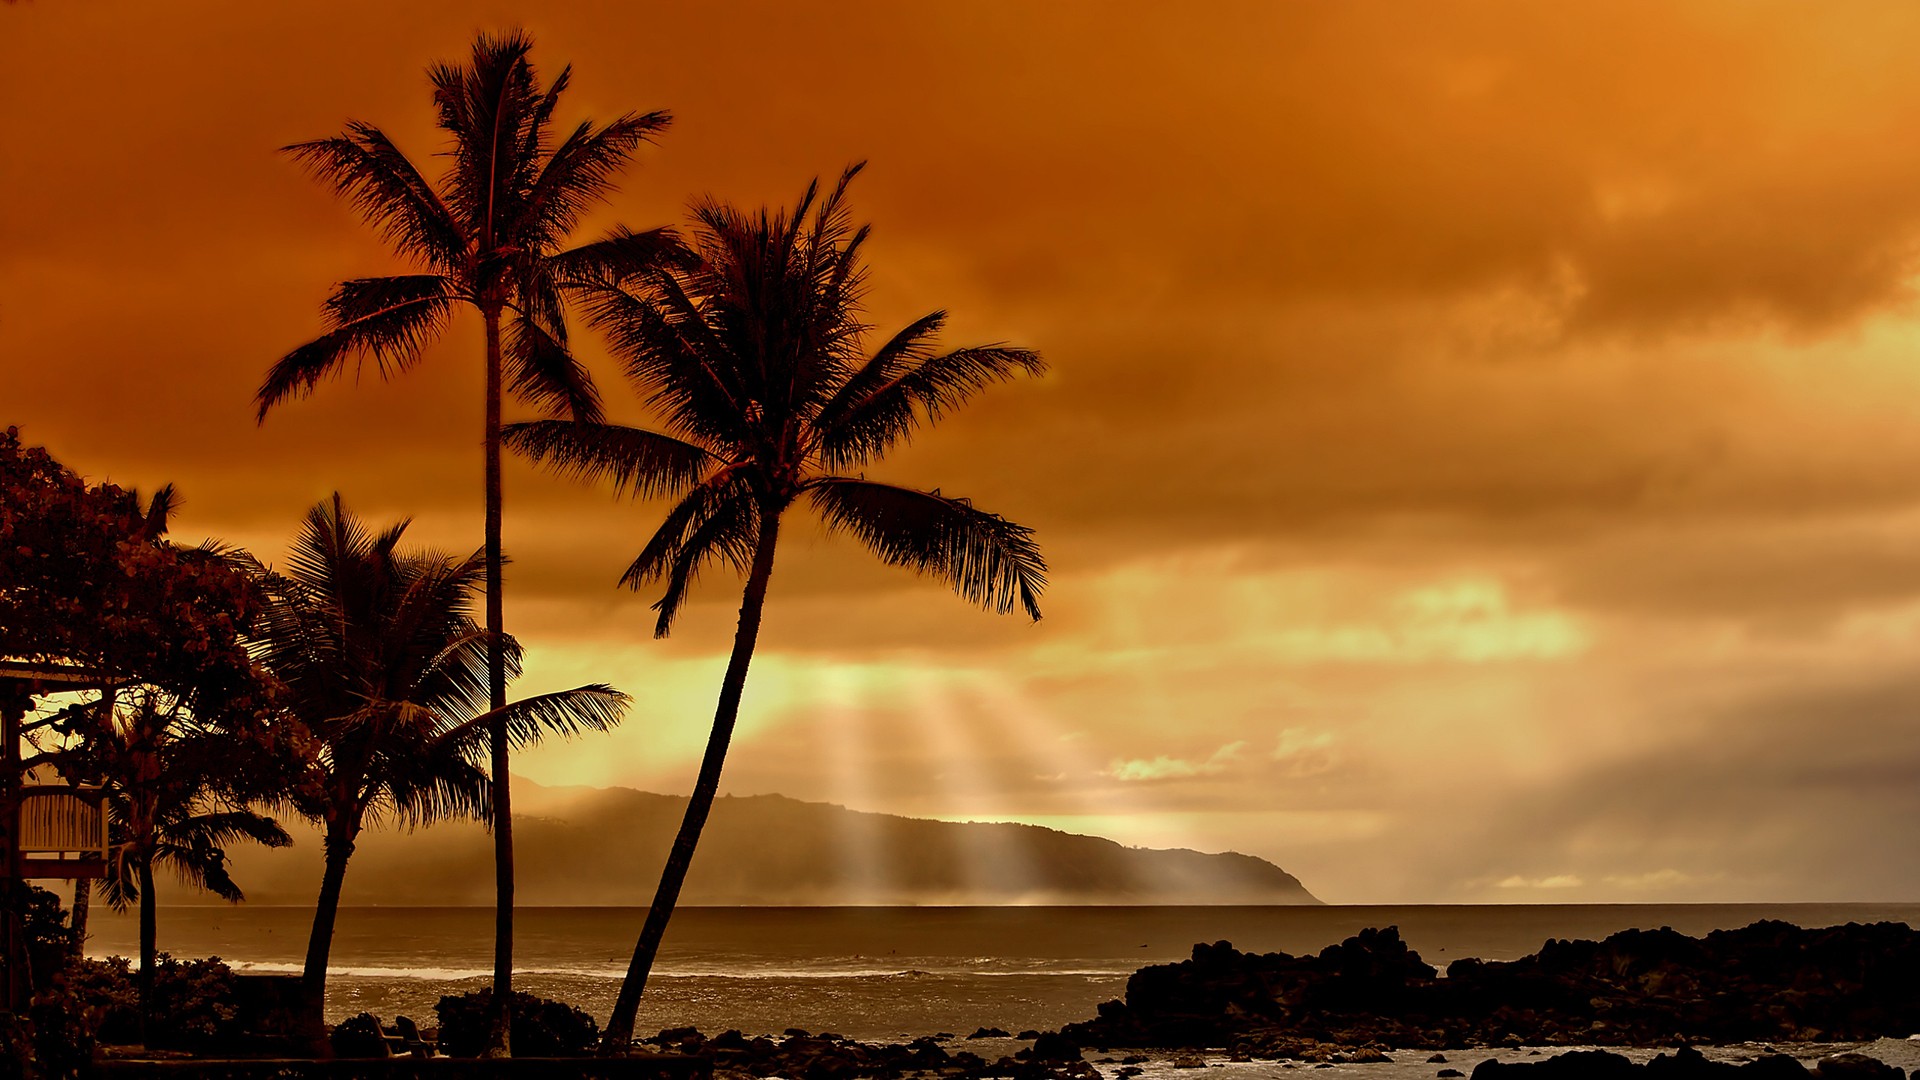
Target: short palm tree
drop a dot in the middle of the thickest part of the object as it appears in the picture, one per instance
(489, 235)
(753, 352)
(169, 777)
(385, 679)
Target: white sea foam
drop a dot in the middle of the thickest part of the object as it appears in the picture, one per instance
(448, 974)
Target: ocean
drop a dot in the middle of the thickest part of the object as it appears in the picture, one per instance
(868, 973)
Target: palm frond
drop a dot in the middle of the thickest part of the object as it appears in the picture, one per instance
(986, 558)
(710, 498)
(542, 371)
(727, 536)
(640, 463)
(580, 172)
(921, 391)
(390, 319)
(366, 169)
(492, 109)
(564, 713)
(621, 254)
(669, 352)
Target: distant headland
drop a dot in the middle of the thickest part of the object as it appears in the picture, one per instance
(603, 847)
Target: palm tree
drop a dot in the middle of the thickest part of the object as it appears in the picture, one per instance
(170, 780)
(488, 235)
(753, 352)
(386, 679)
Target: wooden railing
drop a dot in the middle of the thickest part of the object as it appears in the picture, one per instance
(62, 833)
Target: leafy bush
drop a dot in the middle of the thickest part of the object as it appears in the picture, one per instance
(49, 939)
(541, 1028)
(193, 1001)
(359, 1037)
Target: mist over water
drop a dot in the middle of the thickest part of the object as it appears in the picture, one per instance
(870, 973)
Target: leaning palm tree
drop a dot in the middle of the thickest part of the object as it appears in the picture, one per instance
(753, 353)
(488, 235)
(386, 686)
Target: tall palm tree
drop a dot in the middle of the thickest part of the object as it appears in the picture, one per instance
(488, 235)
(386, 676)
(753, 352)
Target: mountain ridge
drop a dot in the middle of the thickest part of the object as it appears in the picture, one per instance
(596, 847)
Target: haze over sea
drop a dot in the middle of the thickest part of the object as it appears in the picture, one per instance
(873, 973)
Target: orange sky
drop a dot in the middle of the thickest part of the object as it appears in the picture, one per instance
(1478, 462)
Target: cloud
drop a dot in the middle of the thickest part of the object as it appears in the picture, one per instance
(1556, 881)
(1171, 768)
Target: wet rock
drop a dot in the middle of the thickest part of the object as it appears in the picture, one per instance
(1575, 1065)
(1029, 1033)
(1765, 983)
(1053, 1046)
(989, 1033)
(1437, 1059)
(1855, 1067)
(1447, 1074)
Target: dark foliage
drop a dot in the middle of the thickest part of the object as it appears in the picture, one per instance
(194, 1003)
(87, 577)
(541, 1028)
(359, 1036)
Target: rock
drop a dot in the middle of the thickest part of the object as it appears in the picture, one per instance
(1445, 1074)
(1028, 1034)
(1133, 1059)
(989, 1033)
(1855, 1067)
(1188, 1061)
(796, 1033)
(1437, 1059)
(1053, 1046)
(1574, 1065)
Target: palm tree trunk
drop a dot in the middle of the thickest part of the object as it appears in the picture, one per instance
(313, 977)
(619, 1031)
(149, 941)
(499, 1020)
(82, 904)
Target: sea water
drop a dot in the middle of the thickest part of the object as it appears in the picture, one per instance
(865, 972)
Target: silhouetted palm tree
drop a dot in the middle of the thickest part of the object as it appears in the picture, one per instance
(386, 672)
(169, 779)
(753, 352)
(489, 235)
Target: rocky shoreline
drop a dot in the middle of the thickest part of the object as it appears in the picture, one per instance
(1767, 982)
(1372, 1000)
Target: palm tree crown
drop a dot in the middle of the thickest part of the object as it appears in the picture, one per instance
(490, 234)
(753, 352)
